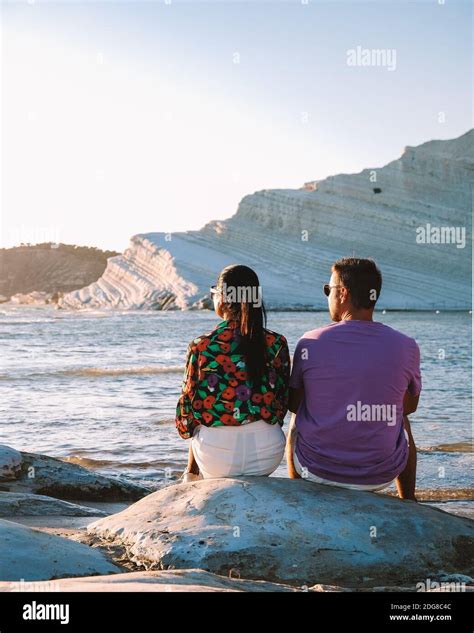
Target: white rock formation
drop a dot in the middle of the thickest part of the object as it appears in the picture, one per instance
(291, 237)
(10, 463)
(53, 477)
(15, 504)
(32, 555)
(290, 531)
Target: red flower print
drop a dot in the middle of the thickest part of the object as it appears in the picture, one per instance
(228, 419)
(228, 393)
(208, 402)
(203, 343)
(268, 397)
(217, 378)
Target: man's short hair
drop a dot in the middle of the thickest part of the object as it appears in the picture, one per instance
(362, 278)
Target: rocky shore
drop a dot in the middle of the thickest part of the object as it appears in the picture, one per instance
(66, 528)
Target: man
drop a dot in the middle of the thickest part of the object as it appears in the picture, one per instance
(352, 386)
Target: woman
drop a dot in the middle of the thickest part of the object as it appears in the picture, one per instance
(235, 387)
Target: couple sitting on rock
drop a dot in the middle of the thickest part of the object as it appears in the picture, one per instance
(352, 385)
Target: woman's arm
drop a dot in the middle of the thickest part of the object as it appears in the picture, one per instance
(186, 418)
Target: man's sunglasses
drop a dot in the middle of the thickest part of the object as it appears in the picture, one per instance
(327, 289)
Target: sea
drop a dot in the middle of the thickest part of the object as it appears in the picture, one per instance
(99, 388)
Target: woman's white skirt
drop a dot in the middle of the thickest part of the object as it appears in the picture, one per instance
(256, 448)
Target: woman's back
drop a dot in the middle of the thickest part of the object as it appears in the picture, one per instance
(217, 389)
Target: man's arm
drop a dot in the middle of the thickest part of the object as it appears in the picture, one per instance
(290, 444)
(295, 399)
(410, 403)
(406, 481)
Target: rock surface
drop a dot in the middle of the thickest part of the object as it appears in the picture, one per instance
(168, 580)
(185, 580)
(33, 555)
(36, 297)
(44, 475)
(13, 504)
(10, 463)
(291, 531)
(291, 237)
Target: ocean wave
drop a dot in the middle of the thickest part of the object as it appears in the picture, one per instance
(91, 372)
(23, 321)
(120, 371)
(442, 494)
(89, 462)
(456, 447)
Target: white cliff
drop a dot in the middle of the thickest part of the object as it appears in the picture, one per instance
(291, 237)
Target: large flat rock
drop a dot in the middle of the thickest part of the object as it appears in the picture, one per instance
(44, 475)
(16, 504)
(168, 580)
(291, 531)
(197, 580)
(28, 554)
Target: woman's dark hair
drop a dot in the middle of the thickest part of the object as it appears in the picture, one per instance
(241, 293)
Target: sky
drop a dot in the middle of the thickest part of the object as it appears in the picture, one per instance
(120, 118)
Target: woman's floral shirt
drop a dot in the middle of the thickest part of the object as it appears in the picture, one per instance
(216, 389)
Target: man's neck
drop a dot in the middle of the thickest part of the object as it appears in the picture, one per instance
(357, 315)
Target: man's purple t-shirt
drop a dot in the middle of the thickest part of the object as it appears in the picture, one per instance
(350, 422)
